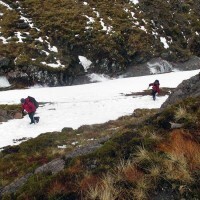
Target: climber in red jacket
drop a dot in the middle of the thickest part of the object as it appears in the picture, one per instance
(155, 88)
(30, 108)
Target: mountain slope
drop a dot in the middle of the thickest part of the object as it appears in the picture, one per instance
(140, 156)
(42, 40)
(74, 106)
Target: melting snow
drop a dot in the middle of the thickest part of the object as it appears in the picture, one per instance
(164, 41)
(4, 82)
(54, 65)
(74, 106)
(98, 77)
(135, 1)
(85, 62)
(6, 5)
(159, 67)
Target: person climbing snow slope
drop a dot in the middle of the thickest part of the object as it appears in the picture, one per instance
(155, 88)
(29, 106)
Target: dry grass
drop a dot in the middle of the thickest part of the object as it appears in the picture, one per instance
(131, 173)
(155, 172)
(142, 155)
(183, 143)
(141, 190)
(143, 184)
(127, 170)
(139, 194)
(181, 152)
(88, 181)
(105, 190)
(108, 189)
(144, 133)
(3, 181)
(154, 136)
(57, 151)
(150, 134)
(118, 171)
(76, 168)
(181, 112)
(56, 188)
(92, 193)
(176, 168)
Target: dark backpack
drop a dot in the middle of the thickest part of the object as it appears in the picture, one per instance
(34, 101)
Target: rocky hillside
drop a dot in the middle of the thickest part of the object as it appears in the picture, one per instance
(8, 112)
(151, 154)
(56, 42)
(188, 88)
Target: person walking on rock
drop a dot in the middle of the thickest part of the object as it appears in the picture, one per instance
(155, 88)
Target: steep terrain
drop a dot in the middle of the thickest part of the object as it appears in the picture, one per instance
(141, 156)
(44, 41)
(188, 88)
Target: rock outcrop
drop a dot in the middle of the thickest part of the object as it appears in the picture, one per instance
(187, 88)
(53, 166)
(4, 62)
(6, 115)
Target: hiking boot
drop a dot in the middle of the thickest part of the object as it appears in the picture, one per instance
(32, 123)
(37, 119)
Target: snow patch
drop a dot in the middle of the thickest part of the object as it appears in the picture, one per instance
(4, 39)
(6, 5)
(54, 65)
(4, 82)
(98, 77)
(74, 106)
(85, 62)
(164, 41)
(134, 1)
(19, 36)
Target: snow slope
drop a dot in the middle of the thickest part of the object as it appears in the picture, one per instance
(4, 82)
(73, 106)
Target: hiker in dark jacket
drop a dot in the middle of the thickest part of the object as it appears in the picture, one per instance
(30, 108)
(155, 88)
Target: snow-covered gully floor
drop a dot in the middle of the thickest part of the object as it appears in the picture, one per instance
(74, 106)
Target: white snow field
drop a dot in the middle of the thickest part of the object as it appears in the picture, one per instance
(73, 106)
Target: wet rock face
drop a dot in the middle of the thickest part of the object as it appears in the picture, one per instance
(159, 66)
(34, 76)
(4, 62)
(4, 116)
(29, 75)
(154, 66)
(192, 64)
(188, 88)
(22, 25)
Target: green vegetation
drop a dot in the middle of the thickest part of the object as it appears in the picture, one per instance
(11, 108)
(112, 35)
